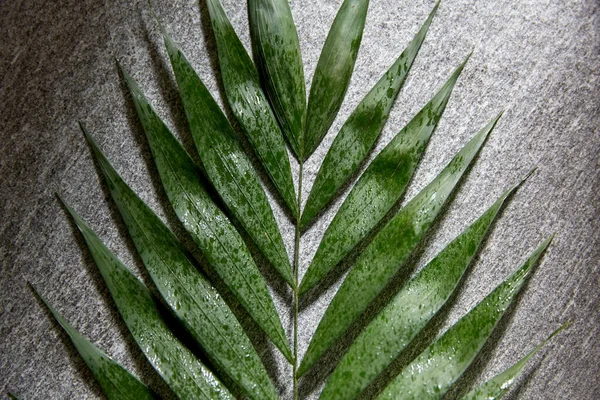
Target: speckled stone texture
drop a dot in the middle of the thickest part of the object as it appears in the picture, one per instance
(537, 60)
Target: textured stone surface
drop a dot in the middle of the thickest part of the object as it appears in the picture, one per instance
(538, 60)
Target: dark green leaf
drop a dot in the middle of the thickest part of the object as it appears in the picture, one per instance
(388, 251)
(499, 385)
(189, 294)
(116, 381)
(249, 105)
(218, 239)
(379, 188)
(333, 72)
(360, 131)
(180, 369)
(432, 373)
(408, 311)
(12, 396)
(277, 53)
(227, 166)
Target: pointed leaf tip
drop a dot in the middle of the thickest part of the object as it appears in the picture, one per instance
(408, 312)
(380, 186)
(548, 241)
(500, 384)
(500, 114)
(188, 292)
(531, 172)
(334, 71)
(433, 372)
(60, 199)
(116, 382)
(564, 326)
(86, 135)
(220, 242)
(359, 133)
(516, 186)
(388, 251)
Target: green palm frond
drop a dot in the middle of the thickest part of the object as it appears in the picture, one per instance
(224, 207)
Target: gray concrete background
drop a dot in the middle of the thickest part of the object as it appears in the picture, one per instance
(537, 59)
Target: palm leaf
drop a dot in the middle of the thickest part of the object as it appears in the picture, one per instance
(499, 385)
(333, 72)
(379, 188)
(189, 294)
(116, 382)
(408, 311)
(430, 375)
(279, 62)
(220, 243)
(250, 106)
(360, 131)
(227, 166)
(388, 251)
(268, 115)
(180, 369)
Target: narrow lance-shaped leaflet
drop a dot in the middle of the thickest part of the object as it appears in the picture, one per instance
(388, 252)
(409, 311)
(187, 292)
(379, 187)
(116, 382)
(499, 385)
(208, 226)
(226, 164)
(279, 62)
(334, 70)
(360, 132)
(433, 372)
(179, 368)
(250, 106)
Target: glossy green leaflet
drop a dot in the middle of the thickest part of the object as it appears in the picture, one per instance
(408, 312)
(115, 381)
(267, 98)
(432, 373)
(388, 251)
(500, 384)
(177, 365)
(191, 297)
(207, 224)
(359, 133)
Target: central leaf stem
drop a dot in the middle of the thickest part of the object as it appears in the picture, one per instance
(296, 283)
